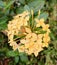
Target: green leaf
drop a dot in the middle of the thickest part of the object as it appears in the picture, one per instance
(42, 32)
(9, 4)
(4, 49)
(26, 7)
(3, 20)
(37, 29)
(43, 15)
(22, 1)
(52, 36)
(48, 59)
(1, 38)
(23, 57)
(36, 5)
(3, 27)
(16, 59)
(19, 9)
(12, 53)
(2, 4)
(3, 24)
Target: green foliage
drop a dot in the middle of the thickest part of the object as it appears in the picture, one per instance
(43, 15)
(2, 4)
(22, 1)
(9, 8)
(23, 57)
(3, 22)
(12, 53)
(8, 5)
(36, 5)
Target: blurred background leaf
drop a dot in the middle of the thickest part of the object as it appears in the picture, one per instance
(36, 5)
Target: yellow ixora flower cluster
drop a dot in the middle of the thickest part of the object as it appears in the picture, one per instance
(29, 41)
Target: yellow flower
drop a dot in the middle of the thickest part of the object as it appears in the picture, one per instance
(46, 38)
(44, 44)
(28, 30)
(40, 22)
(24, 41)
(30, 47)
(40, 36)
(21, 48)
(37, 50)
(31, 43)
(46, 27)
(37, 47)
(31, 36)
(15, 46)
